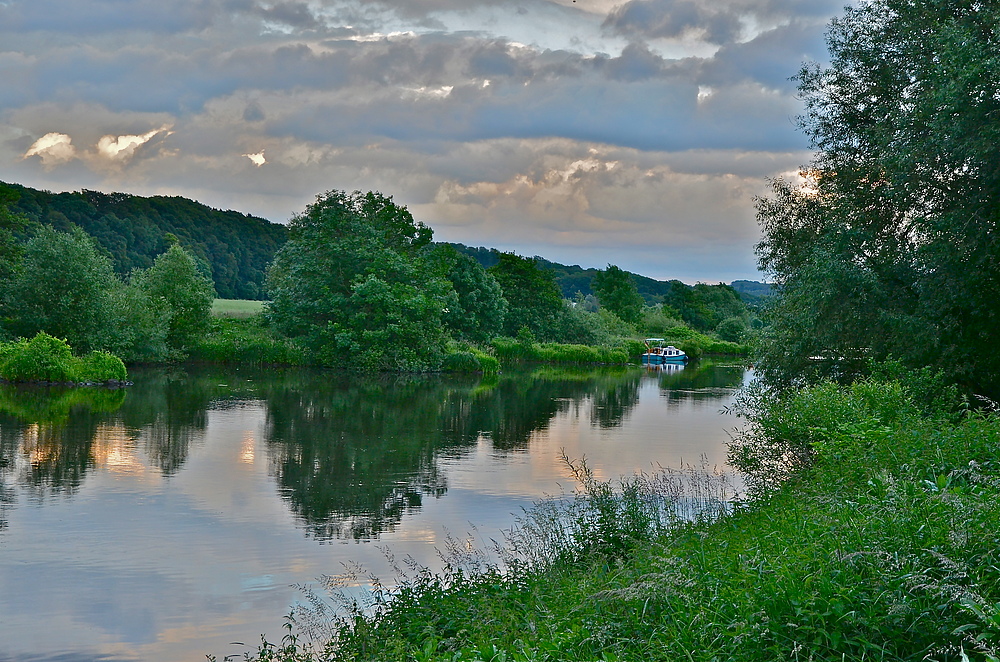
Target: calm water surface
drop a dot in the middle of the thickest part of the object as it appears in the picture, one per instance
(168, 520)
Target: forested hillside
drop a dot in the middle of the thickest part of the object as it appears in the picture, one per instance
(236, 247)
(702, 306)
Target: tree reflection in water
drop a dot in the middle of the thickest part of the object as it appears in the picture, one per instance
(351, 454)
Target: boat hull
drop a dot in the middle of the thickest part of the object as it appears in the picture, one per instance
(659, 359)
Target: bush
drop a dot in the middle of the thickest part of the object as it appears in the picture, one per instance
(48, 359)
(43, 358)
(461, 362)
(101, 367)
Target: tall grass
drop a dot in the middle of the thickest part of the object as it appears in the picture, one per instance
(881, 541)
(245, 340)
(240, 308)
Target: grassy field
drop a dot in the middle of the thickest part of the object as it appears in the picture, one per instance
(236, 307)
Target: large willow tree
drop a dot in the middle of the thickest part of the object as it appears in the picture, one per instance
(891, 247)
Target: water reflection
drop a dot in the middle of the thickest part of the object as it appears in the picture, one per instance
(700, 380)
(170, 519)
(351, 454)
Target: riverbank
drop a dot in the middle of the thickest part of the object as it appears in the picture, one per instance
(881, 542)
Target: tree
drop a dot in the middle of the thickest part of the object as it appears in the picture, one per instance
(479, 312)
(891, 245)
(181, 293)
(353, 285)
(616, 291)
(11, 223)
(533, 297)
(61, 288)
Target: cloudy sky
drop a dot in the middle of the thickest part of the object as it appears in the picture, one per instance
(586, 131)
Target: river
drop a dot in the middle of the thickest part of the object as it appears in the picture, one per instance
(176, 518)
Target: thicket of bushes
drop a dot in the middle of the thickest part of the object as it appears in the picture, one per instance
(44, 358)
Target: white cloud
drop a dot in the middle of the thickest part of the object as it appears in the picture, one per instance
(53, 149)
(122, 148)
(257, 159)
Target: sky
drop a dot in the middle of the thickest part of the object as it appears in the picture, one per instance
(588, 132)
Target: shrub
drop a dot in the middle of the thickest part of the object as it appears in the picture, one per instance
(101, 367)
(43, 358)
(48, 359)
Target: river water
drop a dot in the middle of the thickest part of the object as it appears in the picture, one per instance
(177, 517)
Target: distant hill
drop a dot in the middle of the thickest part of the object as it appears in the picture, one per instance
(574, 278)
(236, 247)
(703, 306)
(753, 293)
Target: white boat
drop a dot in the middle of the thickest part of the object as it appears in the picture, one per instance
(658, 354)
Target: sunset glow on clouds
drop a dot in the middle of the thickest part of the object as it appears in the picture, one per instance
(594, 132)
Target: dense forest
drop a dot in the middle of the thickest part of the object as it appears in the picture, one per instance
(235, 248)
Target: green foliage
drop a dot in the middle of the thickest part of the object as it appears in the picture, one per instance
(180, 293)
(134, 230)
(136, 329)
(657, 319)
(480, 309)
(354, 287)
(61, 288)
(246, 341)
(11, 224)
(732, 329)
(579, 326)
(533, 298)
(524, 349)
(616, 291)
(101, 366)
(48, 359)
(463, 357)
(889, 247)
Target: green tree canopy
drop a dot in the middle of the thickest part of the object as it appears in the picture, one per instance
(533, 297)
(181, 293)
(354, 287)
(11, 223)
(61, 288)
(480, 309)
(617, 292)
(891, 246)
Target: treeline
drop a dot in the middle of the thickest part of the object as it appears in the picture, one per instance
(701, 306)
(360, 284)
(235, 248)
